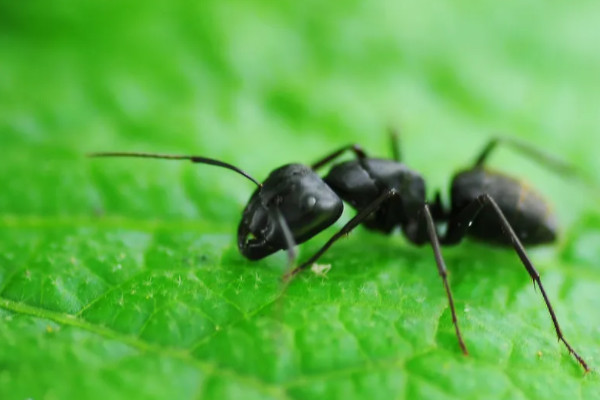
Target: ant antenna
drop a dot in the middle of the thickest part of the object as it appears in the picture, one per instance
(194, 159)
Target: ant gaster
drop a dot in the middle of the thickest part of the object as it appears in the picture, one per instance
(294, 204)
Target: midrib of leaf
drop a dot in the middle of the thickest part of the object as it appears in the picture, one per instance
(133, 341)
(276, 390)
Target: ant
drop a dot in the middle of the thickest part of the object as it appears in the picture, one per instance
(294, 204)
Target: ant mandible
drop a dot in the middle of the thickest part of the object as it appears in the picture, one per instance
(294, 203)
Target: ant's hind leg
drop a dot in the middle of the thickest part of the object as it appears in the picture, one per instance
(457, 228)
(544, 159)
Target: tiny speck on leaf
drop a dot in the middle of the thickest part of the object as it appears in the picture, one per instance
(320, 269)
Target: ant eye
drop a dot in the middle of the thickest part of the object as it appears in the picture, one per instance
(310, 202)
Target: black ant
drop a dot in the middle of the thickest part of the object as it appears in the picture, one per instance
(294, 203)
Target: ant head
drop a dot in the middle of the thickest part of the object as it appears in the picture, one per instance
(305, 202)
(293, 195)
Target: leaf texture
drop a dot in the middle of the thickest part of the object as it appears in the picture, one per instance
(122, 279)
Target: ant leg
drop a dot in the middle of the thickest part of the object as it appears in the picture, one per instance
(360, 217)
(288, 236)
(395, 144)
(459, 224)
(439, 260)
(457, 229)
(438, 211)
(356, 149)
(346, 229)
(360, 153)
(546, 160)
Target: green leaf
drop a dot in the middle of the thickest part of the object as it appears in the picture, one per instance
(122, 278)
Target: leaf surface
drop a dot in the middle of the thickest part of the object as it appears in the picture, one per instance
(122, 279)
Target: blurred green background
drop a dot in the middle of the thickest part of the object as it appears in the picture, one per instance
(261, 84)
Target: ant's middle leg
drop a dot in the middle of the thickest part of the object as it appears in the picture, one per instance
(395, 144)
(457, 229)
(439, 260)
(433, 239)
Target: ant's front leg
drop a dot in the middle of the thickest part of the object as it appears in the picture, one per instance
(287, 235)
(358, 151)
(346, 229)
(355, 148)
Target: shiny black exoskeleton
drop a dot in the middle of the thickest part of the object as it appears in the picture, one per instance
(297, 194)
(528, 213)
(360, 182)
(294, 204)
